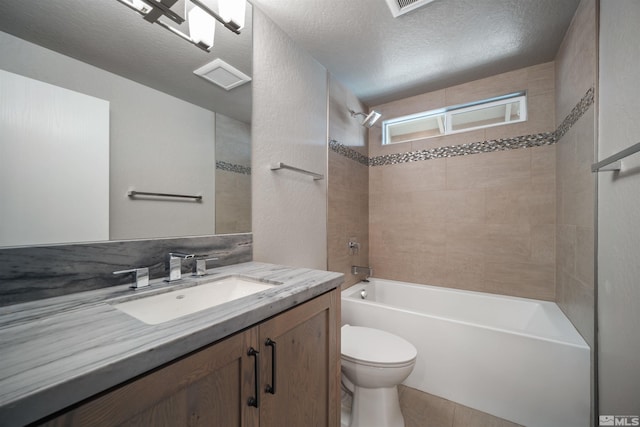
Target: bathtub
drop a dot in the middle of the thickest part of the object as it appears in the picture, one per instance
(516, 358)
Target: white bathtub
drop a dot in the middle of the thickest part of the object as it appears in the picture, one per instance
(516, 358)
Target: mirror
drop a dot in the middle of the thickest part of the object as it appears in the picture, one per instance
(170, 131)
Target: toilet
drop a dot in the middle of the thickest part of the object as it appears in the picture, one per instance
(374, 362)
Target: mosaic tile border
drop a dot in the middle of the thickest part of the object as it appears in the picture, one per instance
(524, 141)
(347, 152)
(230, 167)
(575, 114)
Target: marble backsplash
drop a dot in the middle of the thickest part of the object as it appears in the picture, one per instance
(33, 273)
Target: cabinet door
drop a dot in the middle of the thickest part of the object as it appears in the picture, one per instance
(307, 365)
(210, 387)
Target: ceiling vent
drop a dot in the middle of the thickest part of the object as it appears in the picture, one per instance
(400, 7)
(224, 75)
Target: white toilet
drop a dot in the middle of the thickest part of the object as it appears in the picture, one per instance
(374, 362)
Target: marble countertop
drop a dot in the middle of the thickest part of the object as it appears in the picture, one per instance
(59, 351)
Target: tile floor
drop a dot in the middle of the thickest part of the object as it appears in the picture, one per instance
(426, 410)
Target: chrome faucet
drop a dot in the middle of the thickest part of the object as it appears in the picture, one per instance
(356, 269)
(200, 266)
(141, 274)
(174, 265)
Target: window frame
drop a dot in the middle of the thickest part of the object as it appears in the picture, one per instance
(448, 112)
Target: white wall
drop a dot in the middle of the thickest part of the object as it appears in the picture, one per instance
(619, 210)
(289, 219)
(158, 143)
(49, 138)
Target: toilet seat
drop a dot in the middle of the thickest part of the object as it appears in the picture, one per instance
(373, 347)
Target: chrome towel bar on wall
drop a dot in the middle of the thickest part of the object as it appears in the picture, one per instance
(613, 163)
(133, 193)
(279, 165)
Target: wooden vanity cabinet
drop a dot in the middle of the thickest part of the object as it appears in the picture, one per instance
(215, 385)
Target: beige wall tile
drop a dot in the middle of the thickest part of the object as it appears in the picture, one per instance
(585, 140)
(529, 280)
(413, 241)
(431, 206)
(508, 243)
(585, 255)
(543, 244)
(415, 104)
(510, 206)
(500, 84)
(464, 273)
(508, 169)
(233, 202)
(393, 268)
(347, 187)
(542, 205)
(496, 209)
(577, 302)
(543, 165)
(465, 242)
(465, 206)
(541, 78)
(578, 200)
(414, 176)
(491, 212)
(392, 209)
(466, 172)
(576, 60)
(566, 153)
(566, 248)
(430, 270)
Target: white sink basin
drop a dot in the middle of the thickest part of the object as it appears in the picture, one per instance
(159, 308)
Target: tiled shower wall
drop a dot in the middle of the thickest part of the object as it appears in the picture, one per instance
(483, 222)
(575, 75)
(233, 176)
(348, 185)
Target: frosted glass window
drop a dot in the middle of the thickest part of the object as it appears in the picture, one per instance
(496, 111)
(480, 117)
(417, 128)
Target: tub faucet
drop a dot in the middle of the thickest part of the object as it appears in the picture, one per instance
(174, 265)
(356, 269)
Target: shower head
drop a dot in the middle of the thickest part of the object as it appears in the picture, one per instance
(369, 119)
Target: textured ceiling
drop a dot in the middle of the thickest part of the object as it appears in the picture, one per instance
(380, 58)
(107, 34)
(441, 44)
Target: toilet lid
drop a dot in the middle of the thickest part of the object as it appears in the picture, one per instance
(375, 346)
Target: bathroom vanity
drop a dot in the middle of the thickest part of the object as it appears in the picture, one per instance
(271, 358)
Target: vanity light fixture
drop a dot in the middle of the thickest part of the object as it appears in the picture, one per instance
(201, 19)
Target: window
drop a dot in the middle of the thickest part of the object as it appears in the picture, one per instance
(502, 110)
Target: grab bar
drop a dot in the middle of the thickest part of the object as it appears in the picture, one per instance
(279, 165)
(613, 163)
(133, 193)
